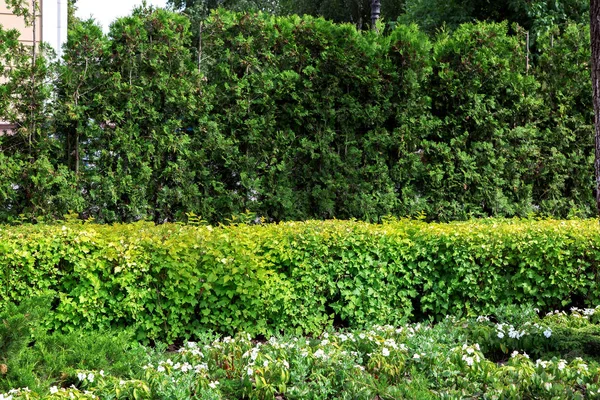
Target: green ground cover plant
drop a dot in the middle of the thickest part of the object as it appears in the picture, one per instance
(171, 282)
(30, 354)
(513, 353)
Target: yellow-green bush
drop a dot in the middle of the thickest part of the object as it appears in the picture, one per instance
(172, 281)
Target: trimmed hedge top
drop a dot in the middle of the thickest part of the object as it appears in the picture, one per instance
(175, 281)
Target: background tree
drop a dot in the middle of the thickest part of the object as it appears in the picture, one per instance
(71, 10)
(33, 181)
(533, 15)
(595, 44)
(357, 12)
(131, 113)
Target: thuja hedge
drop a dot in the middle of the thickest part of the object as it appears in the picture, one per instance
(174, 281)
(297, 118)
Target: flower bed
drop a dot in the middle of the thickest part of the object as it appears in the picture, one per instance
(510, 354)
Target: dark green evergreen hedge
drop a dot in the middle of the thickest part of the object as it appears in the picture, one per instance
(297, 118)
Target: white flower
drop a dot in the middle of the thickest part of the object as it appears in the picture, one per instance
(561, 365)
(416, 356)
(320, 354)
(547, 333)
(213, 385)
(468, 360)
(90, 377)
(266, 363)
(160, 368)
(200, 367)
(101, 372)
(325, 342)
(197, 352)
(53, 390)
(250, 371)
(122, 382)
(81, 376)
(500, 334)
(514, 354)
(548, 385)
(186, 367)
(286, 364)
(385, 352)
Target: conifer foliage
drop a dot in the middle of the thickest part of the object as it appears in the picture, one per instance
(296, 118)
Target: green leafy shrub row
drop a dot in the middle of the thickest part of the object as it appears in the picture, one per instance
(297, 118)
(172, 281)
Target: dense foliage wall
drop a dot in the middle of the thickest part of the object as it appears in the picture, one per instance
(172, 281)
(311, 110)
(296, 118)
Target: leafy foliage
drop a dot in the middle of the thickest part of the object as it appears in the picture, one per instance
(306, 115)
(172, 281)
(538, 16)
(488, 356)
(30, 356)
(295, 118)
(357, 12)
(480, 160)
(567, 117)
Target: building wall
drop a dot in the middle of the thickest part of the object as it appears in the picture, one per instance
(51, 23)
(10, 21)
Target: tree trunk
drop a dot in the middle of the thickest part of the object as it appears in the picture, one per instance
(375, 12)
(595, 43)
(32, 126)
